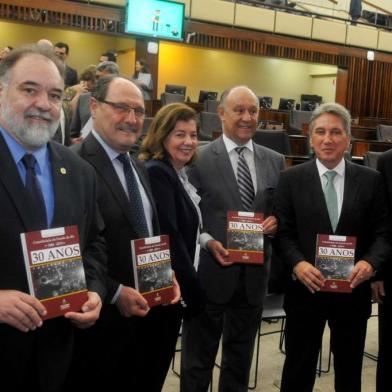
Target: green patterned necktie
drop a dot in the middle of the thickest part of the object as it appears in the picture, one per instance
(331, 198)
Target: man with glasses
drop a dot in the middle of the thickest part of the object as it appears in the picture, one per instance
(234, 292)
(127, 346)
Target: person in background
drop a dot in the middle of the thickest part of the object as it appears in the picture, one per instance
(110, 55)
(42, 185)
(5, 51)
(71, 76)
(143, 79)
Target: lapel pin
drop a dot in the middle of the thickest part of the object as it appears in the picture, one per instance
(63, 170)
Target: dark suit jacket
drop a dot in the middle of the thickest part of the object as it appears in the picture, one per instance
(115, 209)
(58, 136)
(71, 76)
(178, 218)
(81, 115)
(384, 165)
(213, 176)
(75, 193)
(302, 214)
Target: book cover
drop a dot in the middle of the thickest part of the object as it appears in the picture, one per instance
(335, 256)
(55, 271)
(245, 240)
(152, 269)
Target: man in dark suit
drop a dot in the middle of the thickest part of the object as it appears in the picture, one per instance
(381, 288)
(71, 76)
(234, 292)
(135, 347)
(81, 117)
(35, 354)
(305, 207)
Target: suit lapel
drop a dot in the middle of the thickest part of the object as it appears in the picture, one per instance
(223, 163)
(10, 177)
(98, 158)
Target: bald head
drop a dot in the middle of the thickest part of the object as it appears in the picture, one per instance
(45, 43)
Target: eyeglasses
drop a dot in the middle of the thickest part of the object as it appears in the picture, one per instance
(123, 108)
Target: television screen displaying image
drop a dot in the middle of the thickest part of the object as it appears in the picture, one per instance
(203, 95)
(155, 18)
(265, 102)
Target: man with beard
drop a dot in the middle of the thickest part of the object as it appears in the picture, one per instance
(130, 343)
(42, 185)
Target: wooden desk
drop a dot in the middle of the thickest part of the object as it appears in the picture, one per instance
(299, 145)
(361, 147)
(292, 160)
(281, 116)
(363, 133)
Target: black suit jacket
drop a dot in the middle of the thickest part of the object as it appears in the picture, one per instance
(71, 76)
(115, 208)
(75, 192)
(384, 165)
(213, 176)
(302, 214)
(178, 218)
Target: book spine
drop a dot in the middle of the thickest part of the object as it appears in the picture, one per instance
(134, 264)
(27, 263)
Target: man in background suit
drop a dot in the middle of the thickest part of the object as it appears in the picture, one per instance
(358, 209)
(381, 288)
(35, 354)
(234, 292)
(82, 114)
(71, 76)
(127, 346)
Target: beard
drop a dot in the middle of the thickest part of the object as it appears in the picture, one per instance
(32, 135)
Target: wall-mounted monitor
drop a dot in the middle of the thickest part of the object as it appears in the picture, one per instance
(308, 106)
(265, 102)
(155, 18)
(286, 104)
(175, 89)
(211, 95)
(312, 98)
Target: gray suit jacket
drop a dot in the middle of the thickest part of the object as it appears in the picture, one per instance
(81, 115)
(213, 176)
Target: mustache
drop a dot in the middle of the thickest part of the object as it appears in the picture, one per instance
(38, 114)
(127, 128)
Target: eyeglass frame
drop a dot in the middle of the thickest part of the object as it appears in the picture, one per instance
(123, 108)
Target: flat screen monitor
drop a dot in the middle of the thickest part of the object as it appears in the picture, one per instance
(155, 18)
(203, 95)
(265, 102)
(174, 89)
(308, 106)
(311, 98)
(286, 104)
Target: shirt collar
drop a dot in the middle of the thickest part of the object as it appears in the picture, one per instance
(112, 154)
(339, 168)
(231, 145)
(18, 151)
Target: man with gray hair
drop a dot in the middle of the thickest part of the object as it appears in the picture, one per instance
(328, 196)
(42, 185)
(81, 123)
(234, 292)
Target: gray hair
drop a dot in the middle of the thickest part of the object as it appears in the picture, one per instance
(10, 61)
(108, 66)
(332, 108)
(226, 93)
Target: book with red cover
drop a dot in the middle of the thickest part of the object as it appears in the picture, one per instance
(54, 269)
(245, 240)
(335, 256)
(152, 269)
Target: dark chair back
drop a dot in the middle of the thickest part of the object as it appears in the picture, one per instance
(275, 140)
(167, 98)
(370, 159)
(384, 133)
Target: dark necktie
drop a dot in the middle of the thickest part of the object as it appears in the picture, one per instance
(244, 179)
(35, 193)
(135, 199)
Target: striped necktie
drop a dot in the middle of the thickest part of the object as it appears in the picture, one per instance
(244, 179)
(331, 198)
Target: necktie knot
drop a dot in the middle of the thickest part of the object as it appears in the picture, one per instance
(29, 161)
(124, 159)
(330, 175)
(240, 150)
